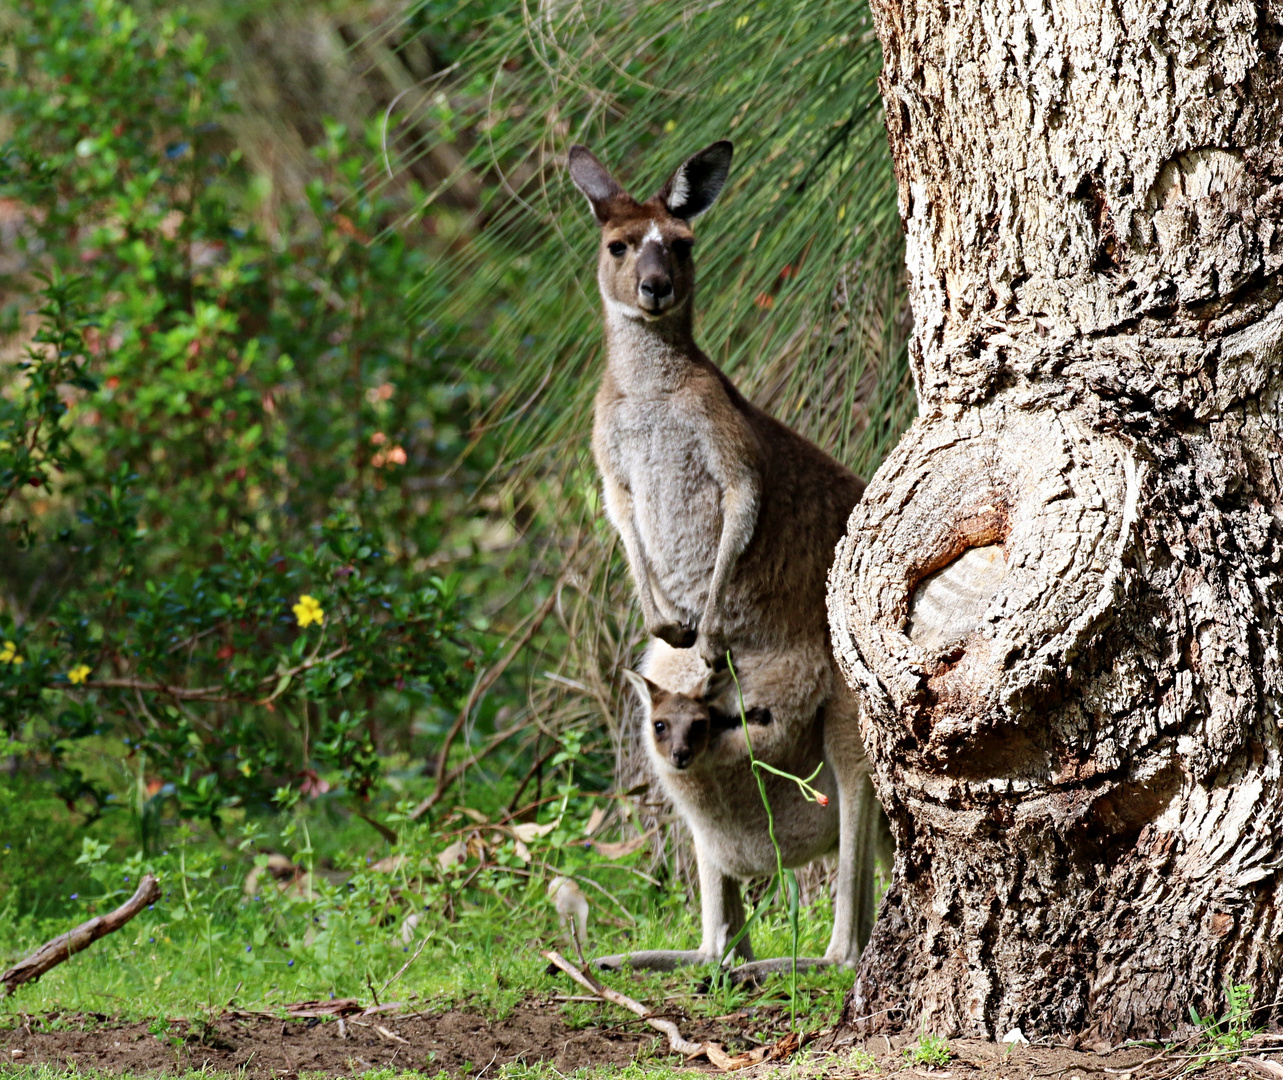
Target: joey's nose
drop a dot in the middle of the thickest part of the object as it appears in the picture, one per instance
(656, 288)
(682, 757)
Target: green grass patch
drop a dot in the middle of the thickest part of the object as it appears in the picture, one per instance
(461, 901)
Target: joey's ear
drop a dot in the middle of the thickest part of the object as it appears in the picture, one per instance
(697, 182)
(650, 694)
(591, 177)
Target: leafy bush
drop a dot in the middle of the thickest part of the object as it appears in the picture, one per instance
(222, 442)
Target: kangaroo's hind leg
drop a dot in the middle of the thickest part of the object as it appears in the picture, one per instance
(860, 817)
(721, 918)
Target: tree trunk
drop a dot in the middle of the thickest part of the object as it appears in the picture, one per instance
(1060, 595)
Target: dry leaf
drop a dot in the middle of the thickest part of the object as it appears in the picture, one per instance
(571, 904)
(454, 855)
(476, 815)
(624, 847)
(529, 830)
(594, 820)
(776, 1051)
(390, 864)
(390, 1034)
(523, 852)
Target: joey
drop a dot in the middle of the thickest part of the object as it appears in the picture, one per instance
(699, 744)
(681, 727)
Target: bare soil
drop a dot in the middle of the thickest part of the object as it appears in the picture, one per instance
(462, 1043)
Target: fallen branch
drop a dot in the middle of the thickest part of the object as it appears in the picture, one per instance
(678, 1044)
(63, 947)
(715, 1052)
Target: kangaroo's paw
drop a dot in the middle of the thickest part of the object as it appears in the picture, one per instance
(756, 970)
(713, 650)
(678, 635)
(652, 959)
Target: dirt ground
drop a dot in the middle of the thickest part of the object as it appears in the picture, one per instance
(463, 1043)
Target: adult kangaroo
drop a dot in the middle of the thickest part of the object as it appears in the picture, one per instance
(729, 519)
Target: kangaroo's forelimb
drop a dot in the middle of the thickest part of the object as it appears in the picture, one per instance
(664, 625)
(741, 495)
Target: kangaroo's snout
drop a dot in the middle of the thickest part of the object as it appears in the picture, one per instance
(681, 756)
(654, 276)
(655, 289)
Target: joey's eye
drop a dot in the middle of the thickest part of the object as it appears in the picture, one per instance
(660, 727)
(617, 248)
(682, 248)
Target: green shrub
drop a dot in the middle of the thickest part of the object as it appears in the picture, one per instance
(223, 444)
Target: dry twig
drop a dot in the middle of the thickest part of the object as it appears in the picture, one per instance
(715, 1052)
(679, 1044)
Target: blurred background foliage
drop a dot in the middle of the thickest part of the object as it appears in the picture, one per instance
(300, 318)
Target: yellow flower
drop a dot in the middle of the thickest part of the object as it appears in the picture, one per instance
(79, 673)
(9, 654)
(308, 611)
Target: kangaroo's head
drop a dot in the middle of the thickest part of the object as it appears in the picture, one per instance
(644, 266)
(681, 727)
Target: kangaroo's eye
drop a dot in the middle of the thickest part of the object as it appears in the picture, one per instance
(617, 248)
(660, 727)
(682, 248)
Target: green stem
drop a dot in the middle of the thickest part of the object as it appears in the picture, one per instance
(757, 768)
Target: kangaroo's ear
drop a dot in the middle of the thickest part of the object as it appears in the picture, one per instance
(650, 694)
(592, 178)
(698, 181)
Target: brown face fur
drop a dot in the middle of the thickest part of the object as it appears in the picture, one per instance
(645, 264)
(680, 727)
(684, 727)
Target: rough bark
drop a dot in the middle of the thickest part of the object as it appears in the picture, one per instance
(1059, 597)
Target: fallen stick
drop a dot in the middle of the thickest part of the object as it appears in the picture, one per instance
(715, 1052)
(63, 947)
(679, 1045)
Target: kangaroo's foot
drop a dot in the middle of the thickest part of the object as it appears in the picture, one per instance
(756, 970)
(653, 959)
(678, 635)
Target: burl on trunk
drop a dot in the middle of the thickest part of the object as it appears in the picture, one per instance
(1060, 597)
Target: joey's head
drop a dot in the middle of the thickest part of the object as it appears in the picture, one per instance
(680, 727)
(644, 266)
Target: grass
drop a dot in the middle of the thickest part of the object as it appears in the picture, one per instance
(931, 1051)
(472, 932)
(1226, 1038)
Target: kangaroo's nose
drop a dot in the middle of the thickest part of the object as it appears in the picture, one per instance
(682, 757)
(656, 286)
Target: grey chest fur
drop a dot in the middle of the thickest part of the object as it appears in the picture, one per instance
(658, 452)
